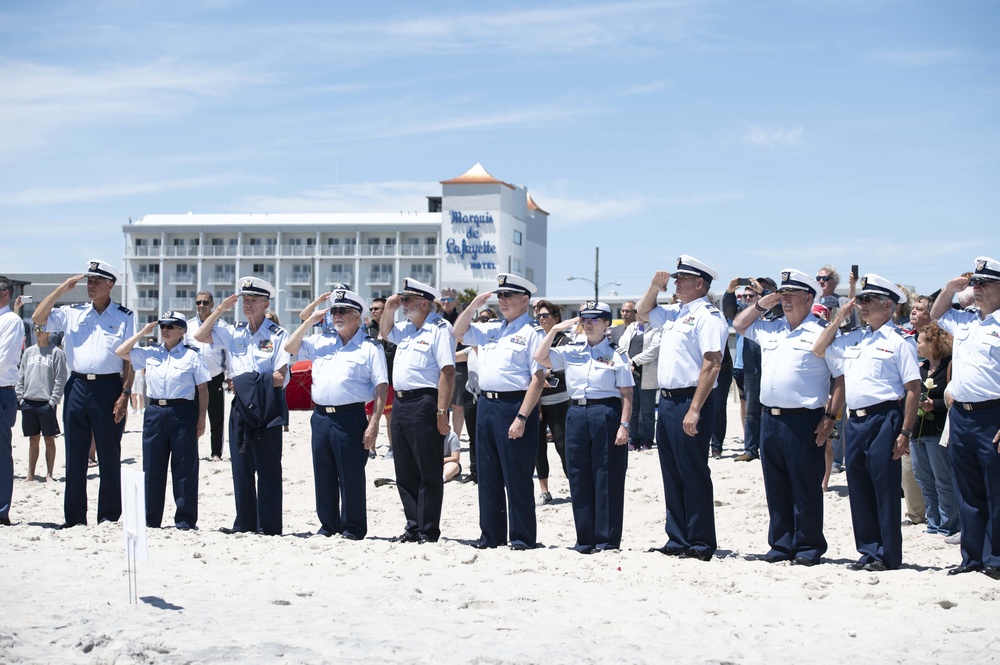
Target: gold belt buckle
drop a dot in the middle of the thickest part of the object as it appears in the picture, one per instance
(161, 402)
(330, 409)
(775, 411)
(91, 377)
(861, 413)
(967, 406)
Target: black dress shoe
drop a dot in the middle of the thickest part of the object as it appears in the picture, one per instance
(768, 558)
(875, 566)
(226, 530)
(803, 561)
(992, 572)
(959, 570)
(519, 547)
(422, 539)
(480, 545)
(469, 478)
(694, 554)
(666, 551)
(856, 565)
(4, 521)
(406, 537)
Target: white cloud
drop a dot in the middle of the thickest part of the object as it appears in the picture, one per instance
(920, 57)
(778, 137)
(567, 211)
(80, 193)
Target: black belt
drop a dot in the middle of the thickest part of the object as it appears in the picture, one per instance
(678, 392)
(94, 377)
(510, 394)
(775, 411)
(977, 406)
(354, 406)
(170, 402)
(416, 392)
(881, 407)
(591, 401)
(5, 387)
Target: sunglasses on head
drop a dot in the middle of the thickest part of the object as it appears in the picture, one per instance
(823, 278)
(201, 303)
(507, 294)
(341, 310)
(867, 298)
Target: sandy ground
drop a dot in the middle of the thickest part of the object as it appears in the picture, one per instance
(209, 597)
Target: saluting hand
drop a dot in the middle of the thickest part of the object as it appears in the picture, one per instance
(70, 283)
(770, 300)
(480, 300)
(957, 284)
(393, 301)
(317, 316)
(149, 327)
(566, 325)
(844, 312)
(229, 302)
(660, 280)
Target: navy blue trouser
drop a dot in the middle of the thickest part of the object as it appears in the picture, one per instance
(89, 412)
(217, 411)
(256, 478)
(793, 482)
(976, 462)
(751, 389)
(170, 434)
(874, 484)
(506, 464)
(687, 480)
(720, 394)
(8, 416)
(642, 423)
(339, 460)
(554, 416)
(596, 475)
(418, 456)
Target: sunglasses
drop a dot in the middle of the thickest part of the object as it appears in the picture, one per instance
(406, 299)
(544, 315)
(201, 303)
(590, 319)
(980, 281)
(507, 294)
(341, 310)
(167, 326)
(823, 278)
(485, 318)
(867, 298)
(374, 309)
(39, 329)
(447, 300)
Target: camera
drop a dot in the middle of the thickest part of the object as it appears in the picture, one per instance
(26, 300)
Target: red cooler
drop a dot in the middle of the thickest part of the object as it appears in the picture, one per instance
(298, 393)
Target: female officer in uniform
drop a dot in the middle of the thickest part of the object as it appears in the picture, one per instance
(174, 418)
(599, 381)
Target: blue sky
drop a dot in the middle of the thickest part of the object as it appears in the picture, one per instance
(752, 135)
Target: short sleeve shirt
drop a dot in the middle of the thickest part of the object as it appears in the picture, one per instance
(344, 373)
(592, 372)
(975, 358)
(173, 374)
(876, 364)
(506, 352)
(90, 339)
(421, 353)
(689, 332)
(247, 351)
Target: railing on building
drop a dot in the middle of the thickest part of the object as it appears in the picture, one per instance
(296, 304)
(425, 277)
(144, 250)
(260, 250)
(379, 279)
(340, 278)
(338, 250)
(147, 278)
(182, 278)
(378, 250)
(145, 303)
(299, 279)
(181, 250)
(298, 250)
(182, 304)
(222, 250)
(221, 278)
(417, 250)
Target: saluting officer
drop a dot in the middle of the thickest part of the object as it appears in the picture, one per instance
(348, 371)
(177, 390)
(694, 334)
(799, 413)
(423, 375)
(975, 414)
(216, 362)
(257, 364)
(599, 381)
(880, 370)
(511, 381)
(95, 401)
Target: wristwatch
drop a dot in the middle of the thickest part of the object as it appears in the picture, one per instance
(441, 412)
(625, 425)
(522, 417)
(907, 433)
(127, 392)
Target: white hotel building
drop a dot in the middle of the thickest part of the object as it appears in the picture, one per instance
(477, 227)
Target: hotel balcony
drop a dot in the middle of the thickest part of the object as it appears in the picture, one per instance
(298, 250)
(221, 278)
(417, 250)
(379, 279)
(181, 250)
(145, 303)
(183, 278)
(183, 304)
(144, 250)
(296, 304)
(378, 250)
(260, 250)
(299, 279)
(340, 278)
(337, 250)
(222, 250)
(425, 277)
(147, 278)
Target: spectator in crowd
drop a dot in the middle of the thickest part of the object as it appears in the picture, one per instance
(920, 313)
(641, 342)
(600, 384)
(41, 379)
(974, 416)
(628, 318)
(449, 312)
(452, 463)
(96, 391)
(882, 383)
(694, 334)
(553, 403)
(829, 279)
(215, 360)
(472, 399)
(930, 459)
(762, 286)
(175, 420)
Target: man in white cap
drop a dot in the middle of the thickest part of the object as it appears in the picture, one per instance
(423, 375)
(882, 385)
(694, 334)
(974, 442)
(348, 371)
(95, 402)
(511, 381)
(257, 363)
(799, 413)
(11, 342)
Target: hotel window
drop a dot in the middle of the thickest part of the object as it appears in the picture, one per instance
(517, 237)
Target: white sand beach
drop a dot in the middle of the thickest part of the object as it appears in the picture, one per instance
(210, 597)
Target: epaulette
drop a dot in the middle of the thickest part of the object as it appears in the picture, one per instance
(193, 348)
(126, 310)
(441, 323)
(496, 320)
(241, 324)
(621, 350)
(902, 333)
(80, 305)
(823, 323)
(539, 328)
(712, 308)
(278, 329)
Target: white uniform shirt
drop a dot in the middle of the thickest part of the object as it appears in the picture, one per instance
(976, 356)
(11, 341)
(344, 373)
(421, 353)
(262, 351)
(689, 332)
(792, 377)
(876, 364)
(506, 352)
(173, 374)
(594, 372)
(89, 338)
(214, 355)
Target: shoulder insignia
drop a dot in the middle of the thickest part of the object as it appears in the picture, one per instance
(126, 310)
(441, 323)
(621, 350)
(539, 328)
(278, 329)
(497, 320)
(193, 348)
(80, 305)
(241, 324)
(899, 331)
(711, 308)
(823, 323)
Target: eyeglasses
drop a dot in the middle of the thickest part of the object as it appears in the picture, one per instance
(39, 329)
(544, 315)
(823, 278)
(447, 300)
(405, 299)
(589, 319)
(981, 281)
(374, 309)
(341, 310)
(167, 326)
(867, 298)
(628, 311)
(201, 303)
(507, 294)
